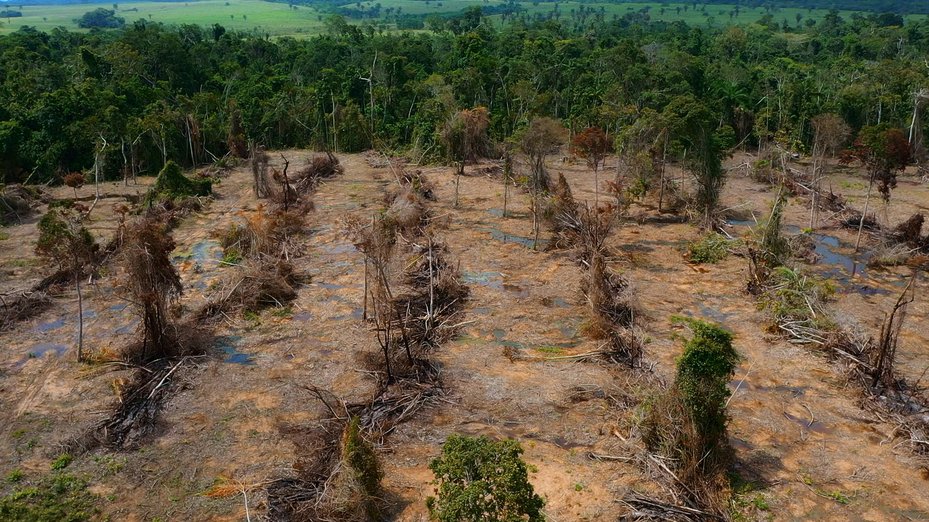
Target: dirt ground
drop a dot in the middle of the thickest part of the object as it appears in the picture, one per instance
(798, 430)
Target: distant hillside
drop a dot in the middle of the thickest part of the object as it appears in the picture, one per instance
(880, 6)
(892, 6)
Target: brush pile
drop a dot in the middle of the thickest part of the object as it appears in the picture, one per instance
(22, 306)
(17, 202)
(415, 294)
(612, 313)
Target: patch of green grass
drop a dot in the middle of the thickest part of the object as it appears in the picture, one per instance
(15, 476)
(111, 464)
(62, 462)
(4, 236)
(278, 19)
(231, 256)
(711, 248)
(58, 497)
(283, 312)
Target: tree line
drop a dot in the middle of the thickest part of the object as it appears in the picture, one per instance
(127, 101)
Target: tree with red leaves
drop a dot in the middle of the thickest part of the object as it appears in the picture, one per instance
(884, 151)
(593, 145)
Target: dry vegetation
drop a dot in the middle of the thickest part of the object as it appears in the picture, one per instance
(647, 430)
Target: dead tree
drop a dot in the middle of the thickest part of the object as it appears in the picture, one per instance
(261, 182)
(886, 349)
(151, 282)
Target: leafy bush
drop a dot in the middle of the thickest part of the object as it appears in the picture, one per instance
(172, 184)
(686, 424)
(711, 248)
(479, 479)
(703, 372)
(64, 240)
(793, 299)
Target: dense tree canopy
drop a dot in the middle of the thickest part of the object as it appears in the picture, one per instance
(137, 97)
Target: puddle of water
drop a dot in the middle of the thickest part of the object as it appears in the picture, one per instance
(49, 326)
(302, 316)
(227, 345)
(509, 238)
(38, 351)
(488, 279)
(127, 328)
(713, 313)
(356, 315)
(338, 248)
(499, 334)
(556, 302)
(569, 332)
(330, 286)
(517, 290)
(89, 314)
(480, 311)
(118, 307)
(510, 213)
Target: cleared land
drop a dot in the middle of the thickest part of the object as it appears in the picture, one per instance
(279, 19)
(802, 442)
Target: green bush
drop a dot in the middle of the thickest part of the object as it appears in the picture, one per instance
(360, 457)
(703, 373)
(711, 248)
(172, 184)
(479, 480)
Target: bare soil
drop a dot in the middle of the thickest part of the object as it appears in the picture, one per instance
(798, 429)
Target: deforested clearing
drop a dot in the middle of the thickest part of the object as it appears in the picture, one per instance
(528, 263)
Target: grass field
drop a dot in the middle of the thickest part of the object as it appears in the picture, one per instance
(278, 19)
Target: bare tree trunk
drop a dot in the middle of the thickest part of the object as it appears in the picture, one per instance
(664, 160)
(867, 201)
(459, 169)
(80, 319)
(335, 132)
(507, 166)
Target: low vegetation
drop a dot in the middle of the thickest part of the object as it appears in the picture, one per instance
(480, 479)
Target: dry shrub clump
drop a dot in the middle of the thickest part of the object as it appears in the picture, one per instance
(613, 312)
(17, 202)
(563, 215)
(317, 169)
(21, 307)
(266, 277)
(406, 209)
(338, 479)
(152, 283)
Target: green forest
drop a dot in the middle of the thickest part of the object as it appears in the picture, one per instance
(127, 101)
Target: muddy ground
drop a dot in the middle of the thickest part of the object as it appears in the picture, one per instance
(798, 431)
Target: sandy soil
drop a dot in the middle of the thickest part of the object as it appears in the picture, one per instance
(796, 427)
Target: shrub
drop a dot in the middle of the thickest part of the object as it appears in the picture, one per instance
(703, 372)
(687, 423)
(171, 184)
(356, 485)
(711, 248)
(64, 240)
(479, 479)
